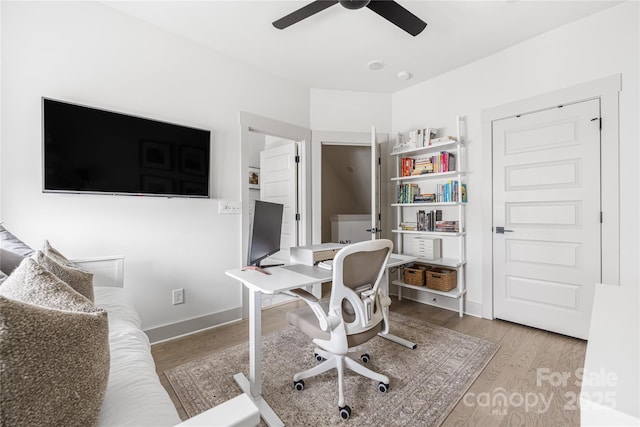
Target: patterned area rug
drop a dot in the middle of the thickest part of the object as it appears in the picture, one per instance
(426, 383)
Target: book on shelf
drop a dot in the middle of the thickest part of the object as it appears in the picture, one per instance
(407, 192)
(424, 198)
(438, 163)
(408, 226)
(447, 226)
(421, 221)
(448, 192)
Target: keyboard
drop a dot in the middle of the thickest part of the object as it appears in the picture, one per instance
(326, 264)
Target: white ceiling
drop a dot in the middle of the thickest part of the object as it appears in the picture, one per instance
(331, 49)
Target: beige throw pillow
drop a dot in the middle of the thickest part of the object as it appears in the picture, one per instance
(80, 280)
(54, 352)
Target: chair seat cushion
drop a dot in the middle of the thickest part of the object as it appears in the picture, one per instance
(305, 320)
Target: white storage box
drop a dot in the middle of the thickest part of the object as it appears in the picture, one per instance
(427, 247)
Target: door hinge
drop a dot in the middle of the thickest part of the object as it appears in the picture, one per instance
(297, 217)
(379, 161)
(379, 217)
(297, 159)
(600, 217)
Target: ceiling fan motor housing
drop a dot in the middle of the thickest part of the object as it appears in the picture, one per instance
(354, 4)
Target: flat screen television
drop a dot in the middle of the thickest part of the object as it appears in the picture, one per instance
(88, 150)
(264, 235)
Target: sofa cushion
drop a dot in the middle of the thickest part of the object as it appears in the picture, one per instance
(54, 357)
(11, 243)
(80, 280)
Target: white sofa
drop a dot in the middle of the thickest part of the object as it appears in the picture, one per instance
(134, 395)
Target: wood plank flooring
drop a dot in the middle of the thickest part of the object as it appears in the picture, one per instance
(523, 384)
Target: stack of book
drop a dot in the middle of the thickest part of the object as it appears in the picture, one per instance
(447, 226)
(422, 165)
(424, 198)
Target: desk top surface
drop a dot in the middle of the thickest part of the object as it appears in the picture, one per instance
(295, 275)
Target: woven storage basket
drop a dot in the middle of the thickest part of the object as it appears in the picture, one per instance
(414, 275)
(441, 279)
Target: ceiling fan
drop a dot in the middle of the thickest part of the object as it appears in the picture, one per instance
(388, 9)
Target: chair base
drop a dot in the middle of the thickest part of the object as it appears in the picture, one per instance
(340, 362)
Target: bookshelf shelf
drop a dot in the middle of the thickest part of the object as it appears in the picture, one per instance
(424, 176)
(451, 197)
(426, 204)
(455, 293)
(429, 148)
(431, 233)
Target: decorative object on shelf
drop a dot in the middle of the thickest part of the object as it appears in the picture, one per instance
(441, 279)
(254, 177)
(428, 248)
(415, 275)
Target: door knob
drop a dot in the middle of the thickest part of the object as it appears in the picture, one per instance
(501, 230)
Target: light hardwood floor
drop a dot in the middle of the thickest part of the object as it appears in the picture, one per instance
(531, 381)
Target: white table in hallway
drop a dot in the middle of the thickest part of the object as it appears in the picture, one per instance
(284, 279)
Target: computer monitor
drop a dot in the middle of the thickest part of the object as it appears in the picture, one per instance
(264, 235)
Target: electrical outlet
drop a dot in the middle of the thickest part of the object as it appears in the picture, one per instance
(229, 207)
(178, 296)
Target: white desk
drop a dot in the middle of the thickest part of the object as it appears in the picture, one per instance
(283, 279)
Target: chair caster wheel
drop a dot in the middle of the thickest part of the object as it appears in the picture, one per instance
(345, 412)
(299, 385)
(365, 358)
(383, 388)
(318, 357)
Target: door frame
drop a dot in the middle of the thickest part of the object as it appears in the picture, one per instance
(606, 90)
(320, 138)
(254, 123)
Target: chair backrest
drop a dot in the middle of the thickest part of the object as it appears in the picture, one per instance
(357, 272)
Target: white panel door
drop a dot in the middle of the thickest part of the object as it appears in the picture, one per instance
(546, 190)
(278, 184)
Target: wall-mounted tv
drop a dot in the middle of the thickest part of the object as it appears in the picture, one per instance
(88, 150)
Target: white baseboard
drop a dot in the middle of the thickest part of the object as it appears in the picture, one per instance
(191, 326)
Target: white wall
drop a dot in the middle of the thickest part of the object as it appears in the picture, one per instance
(350, 111)
(594, 47)
(91, 54)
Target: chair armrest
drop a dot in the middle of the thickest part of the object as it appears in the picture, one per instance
(327, 322)
(305, 295)
(384, 302)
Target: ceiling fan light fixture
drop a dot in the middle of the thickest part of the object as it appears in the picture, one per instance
(404, 75)
(354, 4)
(375, 65)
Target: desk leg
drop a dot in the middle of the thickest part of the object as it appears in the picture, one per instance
(391, 337)
(253, 386)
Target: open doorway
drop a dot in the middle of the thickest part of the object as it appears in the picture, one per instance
(349, 183)
(263, 165)
(346, 195)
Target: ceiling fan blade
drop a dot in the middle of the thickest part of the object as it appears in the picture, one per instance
(303, 12)
(398, 15)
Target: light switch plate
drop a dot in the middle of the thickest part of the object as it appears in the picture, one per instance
(229, 207)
